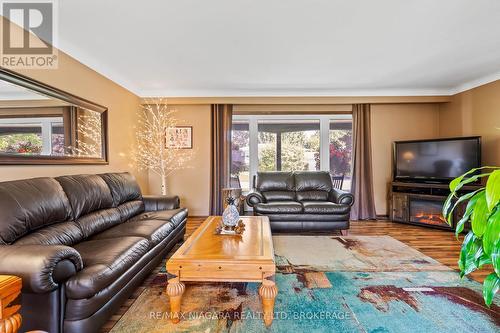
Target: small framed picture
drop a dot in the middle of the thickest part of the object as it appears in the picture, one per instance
(180, 137)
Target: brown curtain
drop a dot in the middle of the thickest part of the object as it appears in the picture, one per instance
(220, 165)
(362, 176)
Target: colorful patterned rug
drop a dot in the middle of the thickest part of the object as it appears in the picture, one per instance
(328, 284)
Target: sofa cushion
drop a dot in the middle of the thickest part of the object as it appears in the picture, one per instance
(123, 187)
(86, 193)
(278, 207)
(275, 181)
(312, 196)
(98, 221)
(324, 207)
(153, 230)
(313, 181)
(279, 195)
(30, 204)
(64, 233)
(130, 209)
(104, 261)
(176, 216)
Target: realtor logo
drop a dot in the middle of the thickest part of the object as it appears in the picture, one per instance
(28, 30)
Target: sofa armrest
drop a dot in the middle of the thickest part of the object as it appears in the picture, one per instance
(41, 267)
(341, 197)
(254, 198)
(160, 202)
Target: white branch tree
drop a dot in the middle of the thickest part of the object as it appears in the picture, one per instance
(151, 151)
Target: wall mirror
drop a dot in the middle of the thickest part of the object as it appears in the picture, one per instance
(40, 124)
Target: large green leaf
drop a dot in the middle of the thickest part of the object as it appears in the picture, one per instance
(468, 212)
(480, 214)
(471, 179)
(493, 189)
(458, 182)
(470, 247)
(495, 257)
(447, 209)
(484, 259)
(461, 199)
(492, 232)
(490, 287)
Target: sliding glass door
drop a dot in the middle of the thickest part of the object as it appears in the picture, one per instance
(290, 143)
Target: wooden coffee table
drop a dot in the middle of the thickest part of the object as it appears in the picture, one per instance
(206, 256)
(10, 288)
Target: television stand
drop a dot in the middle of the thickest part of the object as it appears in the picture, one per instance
(422, 204)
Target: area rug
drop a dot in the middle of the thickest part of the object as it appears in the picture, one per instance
(354, 253)
(328, 293)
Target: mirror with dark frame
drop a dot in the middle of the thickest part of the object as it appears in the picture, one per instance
(40, 124)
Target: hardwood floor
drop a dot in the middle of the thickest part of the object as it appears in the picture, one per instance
(438, 244)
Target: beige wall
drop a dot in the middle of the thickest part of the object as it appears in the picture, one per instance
(390, 122)
(393, 122)
(192, 185)
(75, 78)
(475, 112)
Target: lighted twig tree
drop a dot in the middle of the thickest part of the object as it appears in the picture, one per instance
(151, 151)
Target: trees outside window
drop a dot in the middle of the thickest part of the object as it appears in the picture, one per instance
(288, 146)
(293, 143)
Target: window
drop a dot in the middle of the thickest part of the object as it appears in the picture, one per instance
(340, 150)
(30, 136)
(58, 139)
(288, 146)
(290, 143)
(240, 162)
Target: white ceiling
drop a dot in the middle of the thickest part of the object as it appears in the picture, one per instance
(286, 47)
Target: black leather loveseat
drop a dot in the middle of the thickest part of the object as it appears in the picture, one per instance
(81, 245)
(300, 201)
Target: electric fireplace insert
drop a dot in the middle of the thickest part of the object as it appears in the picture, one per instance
(427, 211)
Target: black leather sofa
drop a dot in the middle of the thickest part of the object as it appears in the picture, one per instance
(81, 245)
(300, 201)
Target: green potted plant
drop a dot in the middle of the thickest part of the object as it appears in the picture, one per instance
(481, 245)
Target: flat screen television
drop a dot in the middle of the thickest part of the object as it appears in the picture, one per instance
(435, 161)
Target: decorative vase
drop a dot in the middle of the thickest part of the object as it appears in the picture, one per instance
(230, 216)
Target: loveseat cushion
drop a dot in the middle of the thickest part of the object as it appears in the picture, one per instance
(176, 216)
(123, 187)
(104, 261)
(324, 207)
(30, 204)
(153, 230)
(313, 181)
(279, 195)
(312, 196)
(86, 193)
(275, 181)
(278, 207)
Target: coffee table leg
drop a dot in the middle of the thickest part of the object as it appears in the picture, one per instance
(175, 289)
(268, 292)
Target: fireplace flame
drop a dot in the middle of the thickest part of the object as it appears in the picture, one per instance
(430, 218)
